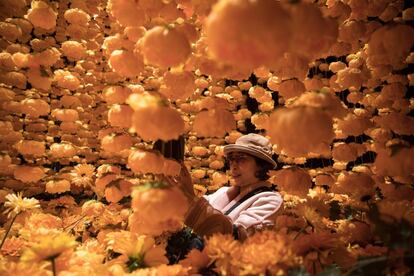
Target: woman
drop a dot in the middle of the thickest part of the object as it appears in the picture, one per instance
(249, 205)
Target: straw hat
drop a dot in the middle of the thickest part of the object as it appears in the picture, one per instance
(253, 144)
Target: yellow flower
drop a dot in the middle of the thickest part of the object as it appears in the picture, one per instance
(16, 204)
(82, 174)
(49, 247)
(170, 270)
(140, 249)
(20, 268)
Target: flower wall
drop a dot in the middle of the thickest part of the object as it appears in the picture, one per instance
(89, 87)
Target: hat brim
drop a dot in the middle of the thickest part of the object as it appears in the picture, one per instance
(257, 153)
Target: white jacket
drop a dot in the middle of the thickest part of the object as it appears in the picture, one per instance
(257, 211)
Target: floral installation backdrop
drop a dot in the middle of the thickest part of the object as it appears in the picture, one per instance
(90, 88)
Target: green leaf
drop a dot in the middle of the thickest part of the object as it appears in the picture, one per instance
(332, 270)
(152, 185)
(334, 210)
(298, 271)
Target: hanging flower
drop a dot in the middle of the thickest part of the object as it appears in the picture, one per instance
(28, 173)
(264, 23)
(153, 119)
(214, 122)
(57, 186)
(42, 15)
(127, 13)
(164, 47)
(300, 130)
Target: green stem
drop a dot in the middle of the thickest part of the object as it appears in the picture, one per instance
(8, 230)
(53, 266)
(73, 224)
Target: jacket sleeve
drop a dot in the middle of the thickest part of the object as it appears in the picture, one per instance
(261, 212)
(205, 220)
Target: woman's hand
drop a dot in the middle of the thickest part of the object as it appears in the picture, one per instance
(184, 182)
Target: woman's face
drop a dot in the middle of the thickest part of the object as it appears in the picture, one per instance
(243, 168)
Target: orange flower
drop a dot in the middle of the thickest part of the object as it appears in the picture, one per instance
(265, 252)
(221, 248)
(13, 246)
(195, 261)
(82, 175)
(57, 186)
(156, 207)
(42, 220)
(164, 47)
(293, 181)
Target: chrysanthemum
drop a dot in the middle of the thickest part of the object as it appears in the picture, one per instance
(266, 251)
(13, 246)
(220, 248)
(15, 204)
(48, 247)
(82, 175)
(140, 249)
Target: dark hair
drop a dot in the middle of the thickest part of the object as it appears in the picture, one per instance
(264, 168)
